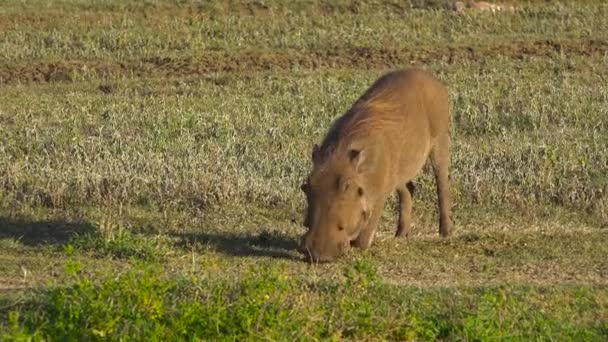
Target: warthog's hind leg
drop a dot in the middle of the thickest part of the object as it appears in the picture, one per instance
(405, 193)
(440, 160)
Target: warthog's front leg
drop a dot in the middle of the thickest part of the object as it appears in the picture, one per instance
(366, 236)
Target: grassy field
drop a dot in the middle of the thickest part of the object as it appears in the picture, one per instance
(151, 155)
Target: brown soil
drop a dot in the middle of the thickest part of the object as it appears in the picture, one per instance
(276, 60)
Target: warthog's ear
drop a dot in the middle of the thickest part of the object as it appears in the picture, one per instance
(343, 184)
(357, 158)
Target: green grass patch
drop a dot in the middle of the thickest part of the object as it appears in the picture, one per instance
(262, 302)
(123, 245)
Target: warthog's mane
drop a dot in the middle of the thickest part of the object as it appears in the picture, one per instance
(364, 122)
(374, 112)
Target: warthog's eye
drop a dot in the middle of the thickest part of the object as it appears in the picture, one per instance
(360, 191)
(340, 228)
(364, 214)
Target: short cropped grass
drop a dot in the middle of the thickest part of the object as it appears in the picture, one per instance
(151, 155)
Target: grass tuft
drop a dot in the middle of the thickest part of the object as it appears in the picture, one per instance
(151, 156)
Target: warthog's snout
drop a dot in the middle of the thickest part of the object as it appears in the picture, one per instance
(313, 255)
(310, 255)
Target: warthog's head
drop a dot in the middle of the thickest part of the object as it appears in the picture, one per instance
(337, 204)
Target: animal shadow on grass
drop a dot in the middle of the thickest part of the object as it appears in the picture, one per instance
(263, 244)
(36, 233)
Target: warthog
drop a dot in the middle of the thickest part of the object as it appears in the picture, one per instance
(378, 146)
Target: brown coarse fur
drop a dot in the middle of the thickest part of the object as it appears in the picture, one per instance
(377, 147)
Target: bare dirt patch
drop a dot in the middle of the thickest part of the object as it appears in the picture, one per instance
(288, 59)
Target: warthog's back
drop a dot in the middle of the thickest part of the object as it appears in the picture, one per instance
(398, 117)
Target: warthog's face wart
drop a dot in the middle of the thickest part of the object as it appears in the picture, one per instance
(337, 207)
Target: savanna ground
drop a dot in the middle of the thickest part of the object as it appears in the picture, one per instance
(151, 155)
